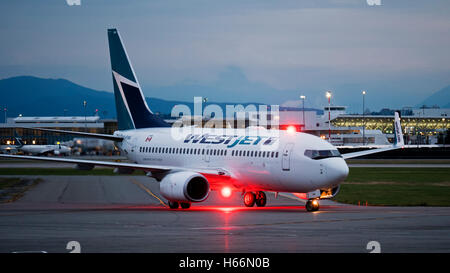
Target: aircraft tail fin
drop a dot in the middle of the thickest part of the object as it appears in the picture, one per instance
(398, 134)
(132, 109)
(18, 142)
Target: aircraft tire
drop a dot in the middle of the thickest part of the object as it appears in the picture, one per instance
(185, 205)
(249, 199)
(312, 205)
(173, 205)
(261, 199)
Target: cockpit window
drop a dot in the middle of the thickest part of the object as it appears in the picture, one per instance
(321, 154)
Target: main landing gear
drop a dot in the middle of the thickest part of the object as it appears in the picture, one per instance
(259, 198)
(174, 205)
(312, 205)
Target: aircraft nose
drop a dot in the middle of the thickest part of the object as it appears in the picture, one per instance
(337, 170)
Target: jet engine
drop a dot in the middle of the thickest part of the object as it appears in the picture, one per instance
(184, 187)
(123, 170)
(84, 167)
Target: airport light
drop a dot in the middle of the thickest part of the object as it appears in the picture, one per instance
(302, 97)
(85, 119)
(364, 120)
(328, 95)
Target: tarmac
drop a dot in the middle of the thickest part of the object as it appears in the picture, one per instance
(127, 214)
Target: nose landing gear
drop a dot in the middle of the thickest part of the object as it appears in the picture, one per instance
(312, 205)
(259, 198)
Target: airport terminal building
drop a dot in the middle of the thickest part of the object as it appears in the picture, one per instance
(421, 126)
(16, 127)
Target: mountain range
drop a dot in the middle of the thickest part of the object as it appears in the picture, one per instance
(33, 96)
(440, 98)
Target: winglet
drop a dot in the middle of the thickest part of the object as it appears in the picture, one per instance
(398, 134)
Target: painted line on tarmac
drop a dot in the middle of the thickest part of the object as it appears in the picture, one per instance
(144, 188)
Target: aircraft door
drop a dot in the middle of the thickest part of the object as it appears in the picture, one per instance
(206, 153)
(286, 158)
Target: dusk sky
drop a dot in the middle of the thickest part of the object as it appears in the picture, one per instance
(239, 51)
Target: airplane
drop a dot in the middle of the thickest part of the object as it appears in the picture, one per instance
(190, 164)
(57, 149)
(9, 149)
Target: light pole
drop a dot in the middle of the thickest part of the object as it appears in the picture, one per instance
(303, 109)
(85, 118)
(5, 109)
(364, 120)
(328, 94)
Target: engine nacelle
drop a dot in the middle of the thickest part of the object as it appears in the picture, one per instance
(184, 187)
(84, 167)
(123, 171)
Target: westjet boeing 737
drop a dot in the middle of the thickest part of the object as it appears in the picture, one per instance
(251, 161)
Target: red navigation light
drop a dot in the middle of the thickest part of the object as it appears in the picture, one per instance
(291, 129)
(226, 192)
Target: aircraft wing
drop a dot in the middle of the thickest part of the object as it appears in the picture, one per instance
(368, 152)
(144, 167)
(398, 141)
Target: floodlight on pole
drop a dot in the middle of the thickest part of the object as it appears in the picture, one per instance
(364, 120)
(328, 95)
(302, 97)
(85, 118)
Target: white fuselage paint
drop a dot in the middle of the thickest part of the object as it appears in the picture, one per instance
(290, 171)
(40, 149)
